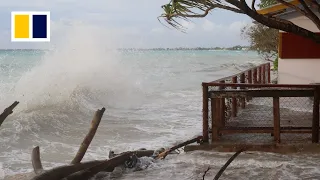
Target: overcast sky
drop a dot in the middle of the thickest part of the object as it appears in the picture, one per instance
(134, 23)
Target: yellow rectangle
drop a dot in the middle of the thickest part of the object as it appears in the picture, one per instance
(21, 26)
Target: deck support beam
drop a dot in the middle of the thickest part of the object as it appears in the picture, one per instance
(315, 120)
(276, 119)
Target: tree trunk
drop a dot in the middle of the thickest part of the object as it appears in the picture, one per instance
(275, 23)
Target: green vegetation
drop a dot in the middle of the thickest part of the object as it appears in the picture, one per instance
(263, 39)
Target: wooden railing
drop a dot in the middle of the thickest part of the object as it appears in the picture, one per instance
(227, 99)
(257, 75)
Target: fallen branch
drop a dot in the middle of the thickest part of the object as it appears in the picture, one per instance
(36, 161)
(63, 171)
(224, 167)
(106, 164)
(67, 170)
(165, 153)
(205, 172)
(87, 140)
(7, 112)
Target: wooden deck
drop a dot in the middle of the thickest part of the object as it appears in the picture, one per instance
(247, 110)
(248, 127)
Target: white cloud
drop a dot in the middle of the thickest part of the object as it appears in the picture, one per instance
(188, 25)
(238, 25)
(210, 26)
(133, 23)
(157, 30)
(234, 27)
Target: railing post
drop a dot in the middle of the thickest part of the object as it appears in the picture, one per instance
(269, 73)
(315, 121)
(260, 74)
(205, 121)
(250, 76)
(234, 100)
(255, 74)
(243, 100)
(215, 118)
(263, 67)
(276, 119)
(249, 81)
(223, 106)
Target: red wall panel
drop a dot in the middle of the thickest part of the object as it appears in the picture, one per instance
(292, 46)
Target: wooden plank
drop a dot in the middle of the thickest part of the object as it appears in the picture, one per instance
(222, 106)
(261, 93)
(260, 75)
(255, 74)
(250, 76)
(276, 119)
(315, 120)
(263, 67)
(215, 119)
(205, 121)
(246, 85)
(243, 99)
(267, 130)
(238, 74)
(269, 73)
(246, 131)
(250, 82)
(234, 108)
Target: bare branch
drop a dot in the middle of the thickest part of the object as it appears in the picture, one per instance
(276, 23)
(87, 140)
(315, 4)
(165, 153)
(301, 11)
(7, 112)
(252, 5)
(310, 14)
(36, 161)
(223, 168)
(205, 173)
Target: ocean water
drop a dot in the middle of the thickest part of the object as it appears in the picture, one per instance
(152, 100)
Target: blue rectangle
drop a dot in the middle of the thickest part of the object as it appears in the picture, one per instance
(39, 26)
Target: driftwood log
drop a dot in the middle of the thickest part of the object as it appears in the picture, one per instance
(86, 170)
(7, 112)
(106, 166)
(110, 163)
(78, 170)
(87, 140)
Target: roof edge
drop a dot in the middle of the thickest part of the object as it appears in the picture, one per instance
(276, 8)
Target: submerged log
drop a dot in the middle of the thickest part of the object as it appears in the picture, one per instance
(87, 140)
(110, 163)
(7, 112)
(64, 171)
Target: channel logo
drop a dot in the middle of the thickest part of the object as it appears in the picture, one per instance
(30, 26)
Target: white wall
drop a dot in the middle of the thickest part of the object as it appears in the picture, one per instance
(300, 71)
